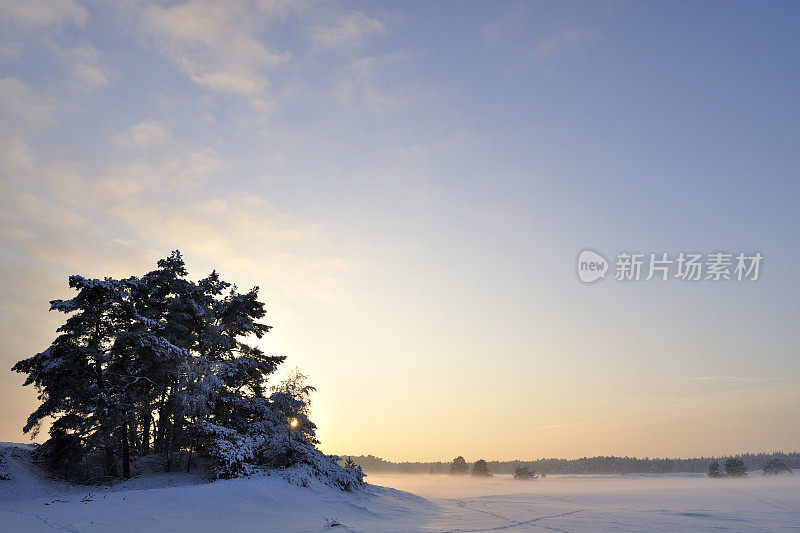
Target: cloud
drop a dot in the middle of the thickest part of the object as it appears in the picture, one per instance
(38, 26)
(82, 65)
(16, 157)
(39, 14)
(360, 84)
(215, 44)
(513, 30)
(22, 107)
(508, 23)
(146, 134)
(350, 30)
(77, 219)
(560, 41)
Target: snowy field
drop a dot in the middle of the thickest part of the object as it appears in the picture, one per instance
(677, 502)
(186, 502)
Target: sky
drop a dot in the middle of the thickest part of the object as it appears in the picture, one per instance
(410, 184)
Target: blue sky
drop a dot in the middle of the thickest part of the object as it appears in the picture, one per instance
(410, 184)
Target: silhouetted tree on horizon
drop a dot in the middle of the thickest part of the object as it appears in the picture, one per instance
(481, 469)
(459, 466)
(523, 472)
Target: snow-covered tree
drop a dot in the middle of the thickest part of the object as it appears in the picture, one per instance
(776, 466)
(77, 377)
(734, 467)
(166, 360)
(714, 470)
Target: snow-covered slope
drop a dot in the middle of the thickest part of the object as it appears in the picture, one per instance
(31, 501)
(175, 502)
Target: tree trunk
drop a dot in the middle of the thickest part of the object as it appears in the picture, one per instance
(161, 429)
(147, 419)
(189, 460)
(126, 451)
(133, 435)
(111, 461)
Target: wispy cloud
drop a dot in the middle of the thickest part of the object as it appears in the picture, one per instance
(24, 111)
(509, 22)
(143, 135)
(513, 30)
(23, 107)
(38, 14)
(216, 45)
(350, 30)
(362, 84)
(82, 65)
(562, 40)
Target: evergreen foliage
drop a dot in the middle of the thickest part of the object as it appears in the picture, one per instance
(459, 466)
(480, 469)
(735, 467)
(775, 467)
(523, 472)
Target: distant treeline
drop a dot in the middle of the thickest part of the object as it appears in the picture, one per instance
(585, 465)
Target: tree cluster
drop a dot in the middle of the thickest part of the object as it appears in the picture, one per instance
(775, 467)
(734, 467)
(480, 469)
(587, 465)
(523, 472)
(459, 466)
(163, 364)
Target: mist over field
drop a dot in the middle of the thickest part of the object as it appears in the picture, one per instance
(688, 502)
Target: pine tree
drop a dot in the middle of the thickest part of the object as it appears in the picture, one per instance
(77, 375)
(523, 472)
(714, 470)
(481, 469)
(775, 466)
(459, 466)
(735, 467)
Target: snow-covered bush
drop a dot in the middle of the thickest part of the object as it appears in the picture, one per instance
(276, 433)
(5, 473)
(237, 455)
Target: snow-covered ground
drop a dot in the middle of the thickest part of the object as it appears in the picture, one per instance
(187, 502)
(670, 502)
